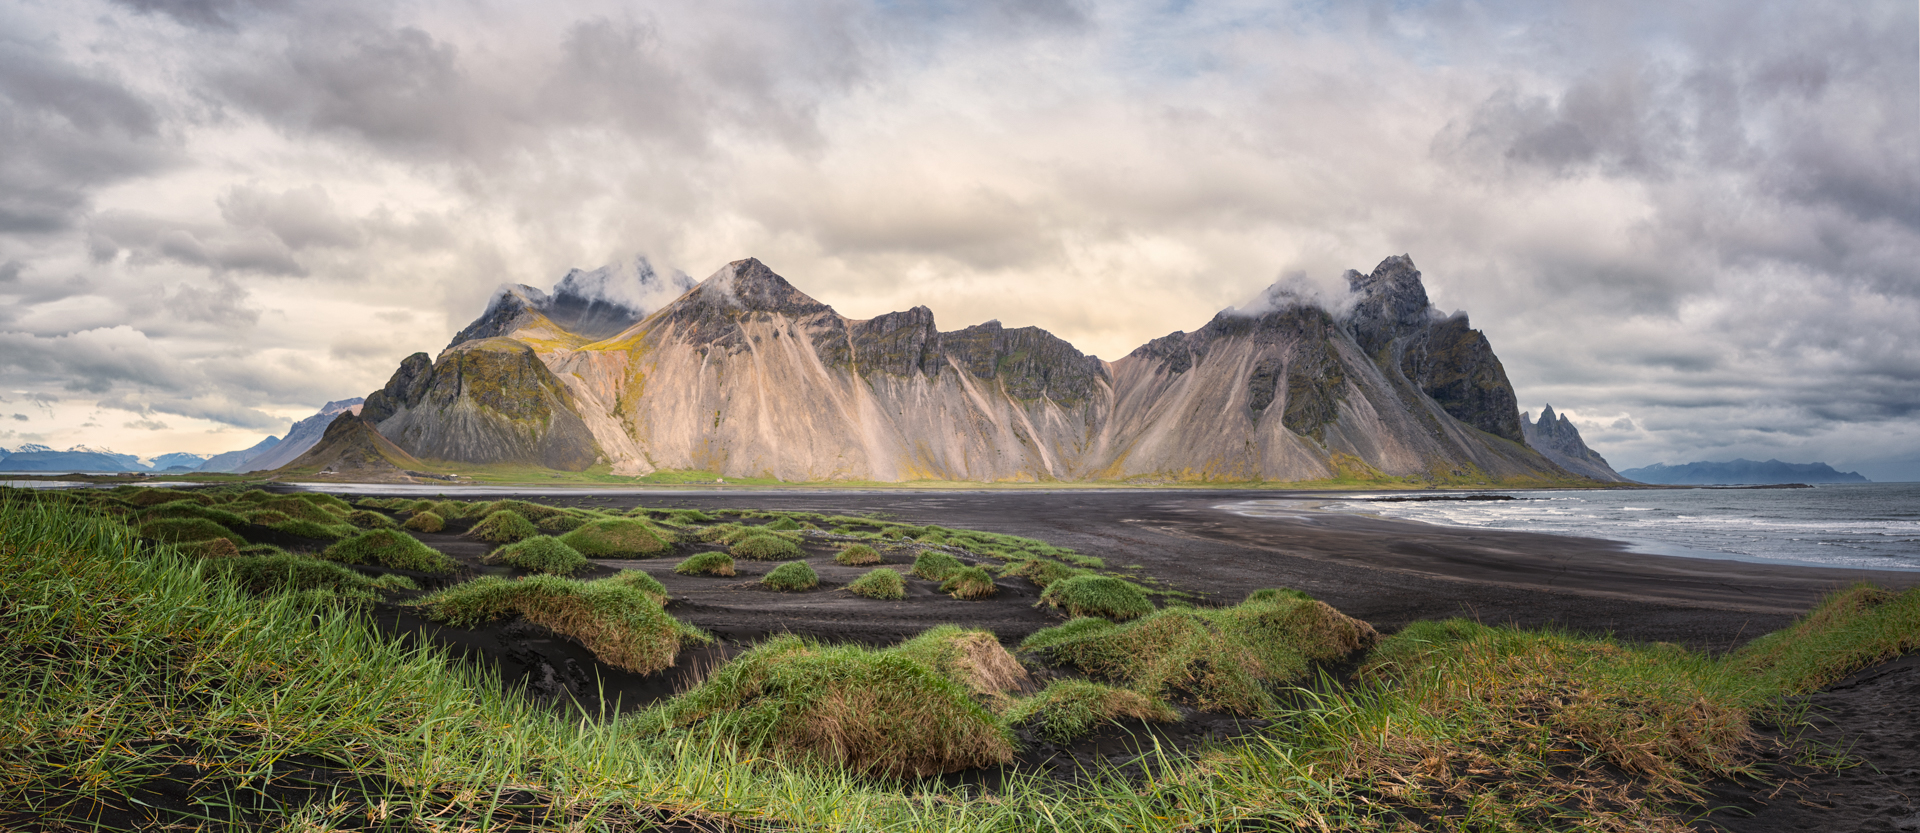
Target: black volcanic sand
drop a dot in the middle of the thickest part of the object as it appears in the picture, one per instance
(1388, 573)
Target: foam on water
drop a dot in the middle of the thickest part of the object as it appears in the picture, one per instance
(1865, 525)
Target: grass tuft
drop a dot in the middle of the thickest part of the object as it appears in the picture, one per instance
(1094, 595)
(791, 576)
(764, 548)
(706, 564)
(425, 522)
(540, 554)
(616, 538)
(857, 555)
(1070, 709)
(935, 566)
(1221, 660)
(881, 583)
(869, 712)
(504, 527)
(390, 548)
(623, 625)
(186, 529)
(968, 583)
(367, 519)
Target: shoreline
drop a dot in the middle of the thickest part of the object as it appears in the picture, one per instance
(1388, 572)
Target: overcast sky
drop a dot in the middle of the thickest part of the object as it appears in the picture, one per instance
(1694, 227)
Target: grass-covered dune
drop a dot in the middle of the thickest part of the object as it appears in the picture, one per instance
(148, 682)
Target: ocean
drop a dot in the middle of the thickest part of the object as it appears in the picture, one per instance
(1873, 526)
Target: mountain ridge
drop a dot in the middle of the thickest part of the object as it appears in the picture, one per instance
(1559, 440)
(746, 375)
(1741, 472)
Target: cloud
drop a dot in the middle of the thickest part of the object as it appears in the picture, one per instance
(20, 417)
(212, 407)
(68, 130)
(147, 425)
(1695, 220)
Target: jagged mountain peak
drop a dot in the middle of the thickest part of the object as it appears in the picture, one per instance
(748, 285)
(588, 303)
(1388, 303)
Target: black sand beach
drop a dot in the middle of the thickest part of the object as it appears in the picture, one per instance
(1388, 573)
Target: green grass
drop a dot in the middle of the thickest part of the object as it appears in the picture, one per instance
(268, 574)
(622, 624)
(194, 509)
(127, 663)
(1041, 572)
(1068, 710)
(791, 576)
(393, 549)
(1222, 660)
(616, 538)
(642, 582)
(1094, 595)
(366, 519)
(313, 529)
(856, 555)
(186, 529)
(706, 564)
(969, 583)
(864, 711)
(783, 523)
(540, 554)
(881, 583)
(425, 521)
(556, 524)
(504, 526)
(935, 566)
(972, 658)
(764, 548)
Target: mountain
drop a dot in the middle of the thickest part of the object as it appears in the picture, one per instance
(745, 375)
(349, 446)
(1741, 472)
(301, 436)
(233, 461)
(1561, 443)
(582, 306)
(177, 460)
(33, 457)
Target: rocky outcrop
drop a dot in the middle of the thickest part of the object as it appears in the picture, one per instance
(302, 436)
(1449, 361)
(485, 401)
(747, 376)
(1555, 437)
(350, 447)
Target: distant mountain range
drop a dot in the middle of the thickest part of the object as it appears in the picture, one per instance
(745, 375)
(1741, 473)
(269, 453)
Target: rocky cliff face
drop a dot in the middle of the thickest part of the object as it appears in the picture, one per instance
(745, 375)
(1556, 438)
(350, 446)
(485, 401)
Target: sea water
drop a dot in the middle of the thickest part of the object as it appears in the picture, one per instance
(1860, 525)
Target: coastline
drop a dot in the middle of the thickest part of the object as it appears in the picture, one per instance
(1387, 572)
